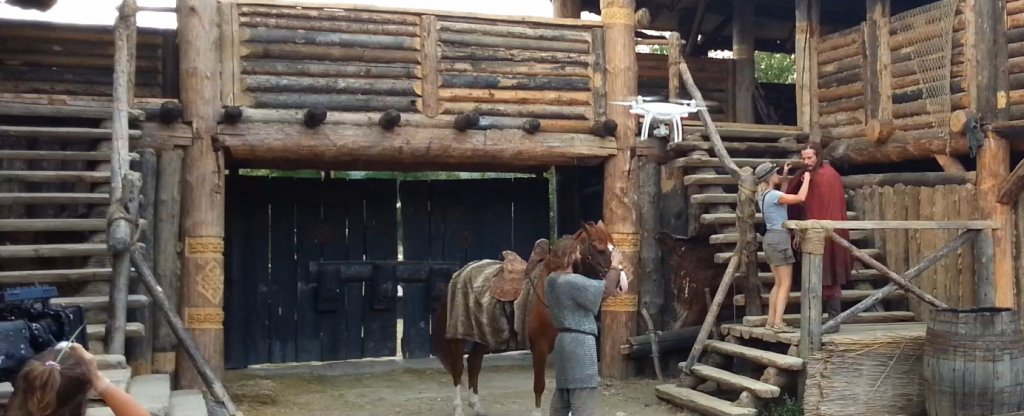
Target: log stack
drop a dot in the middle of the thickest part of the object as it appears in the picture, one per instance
(841, 83)
(55, 59)
(1015, 56)
(430, 69)
(714, 77)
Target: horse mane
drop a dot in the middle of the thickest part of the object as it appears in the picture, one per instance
(597, 234)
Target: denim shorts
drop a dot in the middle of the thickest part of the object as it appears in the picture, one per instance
(778, 248)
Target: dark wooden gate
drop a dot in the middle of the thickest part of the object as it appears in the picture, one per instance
(312, 265)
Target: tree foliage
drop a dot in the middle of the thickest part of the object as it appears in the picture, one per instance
(779, 68)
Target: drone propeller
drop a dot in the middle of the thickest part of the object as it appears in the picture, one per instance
(623, 102)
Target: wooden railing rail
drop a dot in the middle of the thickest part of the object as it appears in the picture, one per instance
(815, 233)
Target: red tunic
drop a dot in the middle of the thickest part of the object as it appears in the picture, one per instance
(826, 200)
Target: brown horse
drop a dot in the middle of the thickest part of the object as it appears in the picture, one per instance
(595, 252)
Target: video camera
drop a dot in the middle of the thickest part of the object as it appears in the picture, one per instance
(29, 325)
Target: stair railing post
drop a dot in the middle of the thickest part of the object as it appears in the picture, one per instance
(745, 219)
(812, 246)
(125, 185)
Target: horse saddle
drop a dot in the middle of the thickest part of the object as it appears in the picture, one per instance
(508, 285)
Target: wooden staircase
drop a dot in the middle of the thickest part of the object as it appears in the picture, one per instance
(712, 194)
(54, 196)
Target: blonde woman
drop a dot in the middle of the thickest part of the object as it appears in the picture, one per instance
(776, 243)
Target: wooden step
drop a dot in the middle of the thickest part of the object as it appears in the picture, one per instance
(736, 382)
(98, 302)
(55, 176)
(53, 198)
(187, 403)
(117, 377)
(153, 392)
(53, 250)
(714, 162)
(76, 133)
(699, 402)
(99, 331)
(849, 295)
(855, 275)
(683, 147)
(722, 258)
(704, 180)
(698, 199)
(762, 357)
(64, 111)
(732, 238)
(54, 276)
(861, 318)
(58, 155)
(730, 218)
(53, 225)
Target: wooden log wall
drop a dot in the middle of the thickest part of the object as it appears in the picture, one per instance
(1015, 57)
(363, 61)
(714, 77)
(842, 75)
(841, 83)
(910, 110)
(952, 279)
(63, 59)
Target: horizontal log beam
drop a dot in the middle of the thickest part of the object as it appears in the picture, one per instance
(263, 115)
(345, 145)
(903, 145)
(889, 225)
(909, 179)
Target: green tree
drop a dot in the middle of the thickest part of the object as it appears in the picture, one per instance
(777, 68)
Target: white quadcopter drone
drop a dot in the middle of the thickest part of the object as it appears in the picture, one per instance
(669, 111)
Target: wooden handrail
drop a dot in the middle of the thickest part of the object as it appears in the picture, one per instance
(909, 276)
(716, 305)
(709, 124)
(892, 225)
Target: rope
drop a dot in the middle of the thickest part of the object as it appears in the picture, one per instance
(117, 212)
(814, 237)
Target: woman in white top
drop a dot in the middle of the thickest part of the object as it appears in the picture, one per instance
(777, 247)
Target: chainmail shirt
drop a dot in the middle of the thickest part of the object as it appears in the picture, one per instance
(574, 301)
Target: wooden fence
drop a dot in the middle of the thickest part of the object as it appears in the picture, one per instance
(420, 64)
(952, 280)
(76, 60)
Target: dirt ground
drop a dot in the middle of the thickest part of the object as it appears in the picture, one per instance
(504, 391)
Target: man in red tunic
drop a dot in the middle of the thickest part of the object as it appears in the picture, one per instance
(826, 200)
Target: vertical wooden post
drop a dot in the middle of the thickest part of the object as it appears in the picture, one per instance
(202, 264)
(619, 313)
(986, 58)
(675, 45)
(140, 349)
(123, 203)
(808, 13)
(431, 77)
(743, 56)
(810, 291)
(166, 265)
(745, 211)
(877, 65)
(568, 9)
(984, 268)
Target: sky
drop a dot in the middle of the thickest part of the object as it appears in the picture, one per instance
(104, 11)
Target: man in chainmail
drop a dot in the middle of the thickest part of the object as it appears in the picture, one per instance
(574, 301)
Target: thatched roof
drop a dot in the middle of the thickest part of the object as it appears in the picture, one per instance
(775, 19)
(41, 5)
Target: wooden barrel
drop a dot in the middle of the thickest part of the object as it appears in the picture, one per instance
(974, 362)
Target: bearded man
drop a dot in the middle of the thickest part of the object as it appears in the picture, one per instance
(826, 200)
